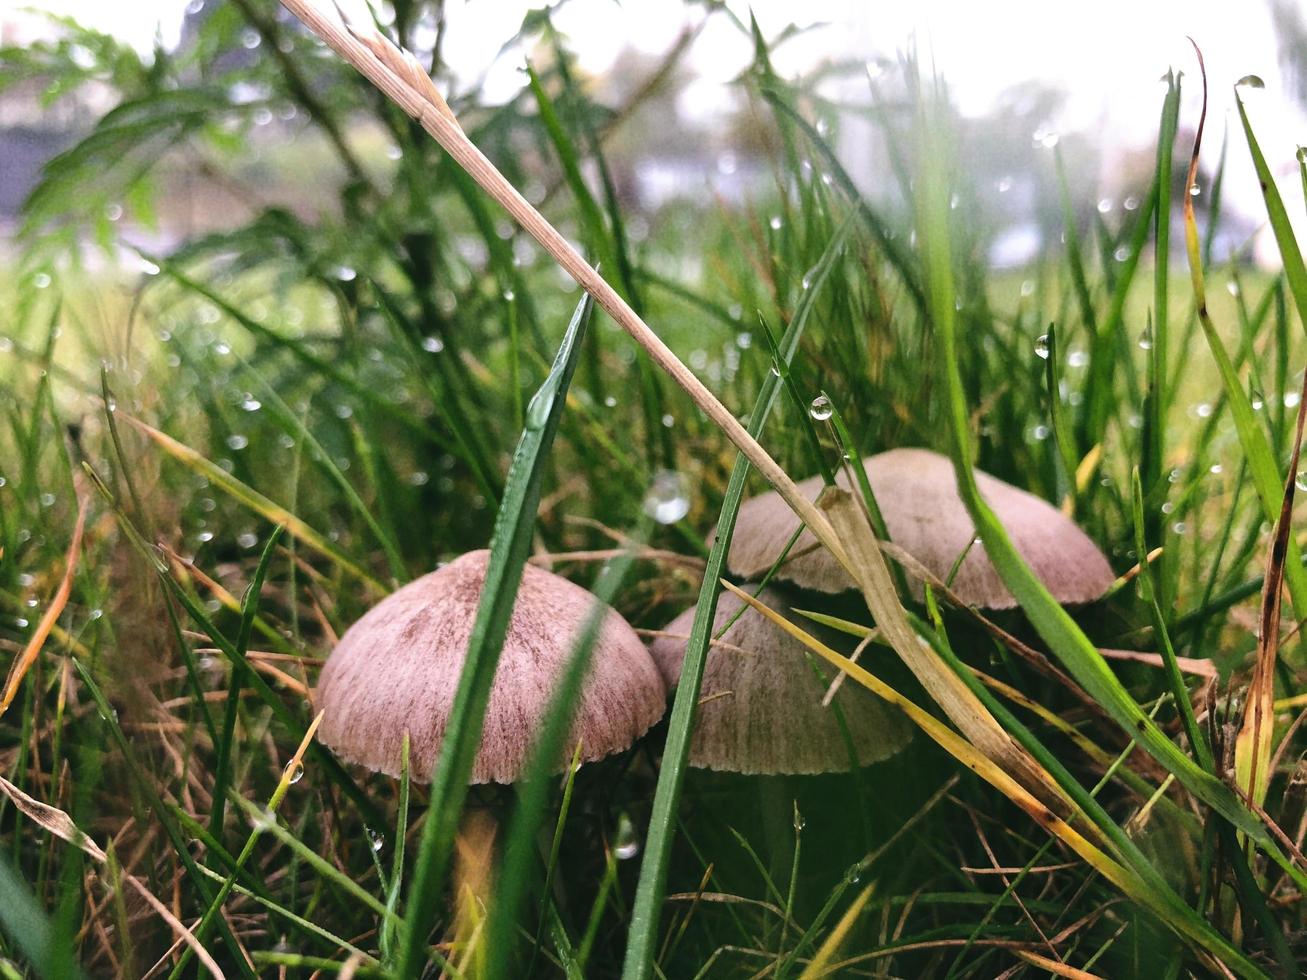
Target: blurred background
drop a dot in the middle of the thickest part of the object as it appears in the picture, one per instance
(1023, 75)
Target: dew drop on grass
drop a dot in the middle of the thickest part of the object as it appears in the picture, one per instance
(237, 441)
(626, 844)
(433, 345)
(294, 771)
(375, 840)
(1300, 480)
(41, 280)
(668, 499)
(610, 401)
(247, 540)
(1146, 339)
(1042, 346)
(1250, 81)
(821, 408)
(775, 223)
(1291, 399)
(251, 404)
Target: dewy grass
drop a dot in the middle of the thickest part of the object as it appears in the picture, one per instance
(358, 378)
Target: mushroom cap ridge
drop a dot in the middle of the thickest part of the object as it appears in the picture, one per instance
(398, 667)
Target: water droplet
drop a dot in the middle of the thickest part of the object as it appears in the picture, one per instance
(668, 499)
(221, 349)
(537, 410)
(821, 408)
(1291, 399)
(1250, 81)
(1232, 287)
(1195, 190)
(1121, 254)
(419, 478)
(344, 411)
(668, 421)
(47, 499)
(626, 844)
(251, 404)
(113, 211)
(247, 540)
(1042, 346)
(1104, 205)
(111, 404)
(204, 537)
(775, 369)
(806, 282)
(1203, 410)
(1300, 481)
(250, 38)
(433, 345)
(1004, 185)
(1044, 138)
(345, 273)
(264, 820)
(610, 401)
(237, 441)
(1146, 339)
(1077, 358)
(1215, 469)
(1179, 527)
(775, 223)
(294, 771)
(1039, 433)
(375, 839)
(744, 340)
(41, 280)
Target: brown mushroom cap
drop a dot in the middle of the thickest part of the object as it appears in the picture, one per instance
(916, 491)
(397, 668)
(760, 709)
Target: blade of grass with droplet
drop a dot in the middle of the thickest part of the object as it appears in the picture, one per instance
(321, 757)
(293, 426)
(317, 364)
(236, 683)
(642, 938)
(1252, 436)
(255, 501)
(1062, 634)
(1155, 400)
(1294, 269)
(516, 873)
(508, 551)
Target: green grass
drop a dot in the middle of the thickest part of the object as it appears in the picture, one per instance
(281, 422)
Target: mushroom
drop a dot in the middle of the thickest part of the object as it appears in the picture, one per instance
(397, 668)
(761, 709)
(916, 492)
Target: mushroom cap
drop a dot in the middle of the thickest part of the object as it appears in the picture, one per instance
(916, 491)
(760, 708)
(398, 667)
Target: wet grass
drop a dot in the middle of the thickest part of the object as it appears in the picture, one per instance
(269, 428)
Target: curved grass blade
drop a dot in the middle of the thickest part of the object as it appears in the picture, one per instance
(516, 873)
(508, 551)
(642, 938)
(1063, 636)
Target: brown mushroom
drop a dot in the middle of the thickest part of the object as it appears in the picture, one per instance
(761, 708)
(917, 494)
(397, 669)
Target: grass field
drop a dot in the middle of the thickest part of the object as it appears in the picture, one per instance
(210, 468)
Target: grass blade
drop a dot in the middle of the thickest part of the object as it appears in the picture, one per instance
(508, 552)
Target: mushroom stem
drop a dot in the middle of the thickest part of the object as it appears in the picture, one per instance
(383, 64)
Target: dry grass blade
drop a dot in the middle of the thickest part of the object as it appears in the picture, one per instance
(390, 69)
(33, 649)
(949, 691)
(50, 818)
(817, 967)
(1252, 754)
(1054, 967)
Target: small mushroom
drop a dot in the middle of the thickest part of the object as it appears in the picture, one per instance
(397, 669)
(916, 491)
(761, 708)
